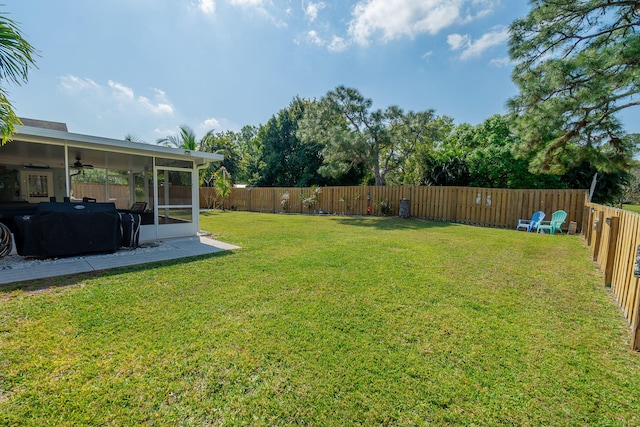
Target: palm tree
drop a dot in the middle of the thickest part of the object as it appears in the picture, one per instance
(186, 140)
(16, 56)
(133, 138)
(222, 183)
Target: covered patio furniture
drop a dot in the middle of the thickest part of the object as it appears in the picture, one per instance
(66, 229)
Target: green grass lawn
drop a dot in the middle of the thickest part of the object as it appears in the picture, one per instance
(633, 208)
(326, 321)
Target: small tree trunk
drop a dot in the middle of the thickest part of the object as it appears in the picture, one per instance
(379, 178)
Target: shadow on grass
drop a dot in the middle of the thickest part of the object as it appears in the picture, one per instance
(214, 212)
(42, 285)
(377, 222)
(392, 223)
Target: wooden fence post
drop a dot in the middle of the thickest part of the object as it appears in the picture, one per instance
(635, 326)
(586, 216)
(454, 208)
(589, 226)
(598, 231)
(613, 223)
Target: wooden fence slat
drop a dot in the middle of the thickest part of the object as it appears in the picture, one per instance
(624, 289)
(630, 289)
(614, 224)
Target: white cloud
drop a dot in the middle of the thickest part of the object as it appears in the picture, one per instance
(246, 2)
(337, 44)
(394, 19)
(210, 123)
(158, 108)
(501, 62)
(312, 10)
(73, 83)
(121, 91)
(208, 7)
(314, 38)
(456, 41)
(260, 7)
(401, 18)
(160, 105)
(473, 48)
(490, 39)
(113, 106)
(478, 9)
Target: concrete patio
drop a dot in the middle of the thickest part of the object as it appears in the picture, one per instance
(15, 268)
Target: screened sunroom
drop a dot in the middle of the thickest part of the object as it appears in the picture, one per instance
(46, 163)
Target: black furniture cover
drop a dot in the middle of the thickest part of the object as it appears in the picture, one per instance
(11, 210)
(65, 229)
(130, 230)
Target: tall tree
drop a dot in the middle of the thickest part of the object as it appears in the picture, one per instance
(288, 160)
(631, 190)
(444, 161)
(419, 133)
(249, 149)
(224, 143)
(352, 135)
(16, 57)
(493, 160)
(578, 65)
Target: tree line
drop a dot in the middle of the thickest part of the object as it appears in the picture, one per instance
(340, 140)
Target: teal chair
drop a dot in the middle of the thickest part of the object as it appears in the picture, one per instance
(555, 224)
(530, 224)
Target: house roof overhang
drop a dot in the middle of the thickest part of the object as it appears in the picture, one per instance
(29, 134)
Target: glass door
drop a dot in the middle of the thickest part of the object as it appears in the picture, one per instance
(175, 210)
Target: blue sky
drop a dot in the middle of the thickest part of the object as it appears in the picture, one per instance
(144, 67)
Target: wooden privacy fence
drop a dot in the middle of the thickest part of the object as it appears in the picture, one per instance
(613, 235)
(119, 194)
(489, 207)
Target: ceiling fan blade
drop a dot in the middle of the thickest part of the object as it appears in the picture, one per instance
(78, 164)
